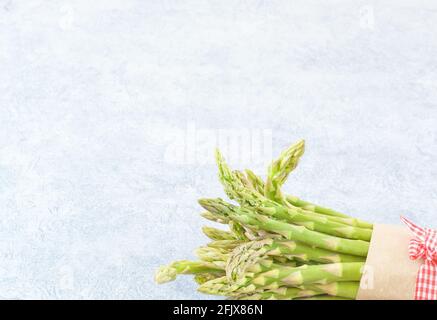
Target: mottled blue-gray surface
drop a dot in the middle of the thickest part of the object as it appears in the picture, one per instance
(96, 97)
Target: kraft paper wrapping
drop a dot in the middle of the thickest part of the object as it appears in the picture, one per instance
(389, 274)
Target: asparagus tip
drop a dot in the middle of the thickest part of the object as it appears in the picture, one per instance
(165, 274)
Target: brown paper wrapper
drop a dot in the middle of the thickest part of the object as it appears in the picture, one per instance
(389, 274)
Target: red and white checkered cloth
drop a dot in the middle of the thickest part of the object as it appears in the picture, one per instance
(424, 246)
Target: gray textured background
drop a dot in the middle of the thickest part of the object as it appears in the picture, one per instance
(94, 93)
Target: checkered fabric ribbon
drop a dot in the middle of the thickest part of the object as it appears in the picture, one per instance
(424, 246)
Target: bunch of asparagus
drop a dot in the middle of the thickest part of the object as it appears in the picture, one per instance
(278, 246)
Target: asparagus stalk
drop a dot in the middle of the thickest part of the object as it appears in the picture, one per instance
(278, 173)
(323, 297)
(215, 217)
(284, 294)
(170, 272)
(238, 231)
(324, 273)
(295, 201)
(306, 253)
(339, 279)
(279, 170)
(307, 210)
(278, 246)
(203, 277)
(246, 258)
(338, 290)
(289, 231)
(255, 182)
(315, 222)
(285, 251)
(249, 272)
(300, 233)
(217, 234)
(259, 189)
(287, 260)
(225, 244)
(346, 289)
(306, 207)
(216, 255)
(209, 254)
(235, 188)
(220, 286)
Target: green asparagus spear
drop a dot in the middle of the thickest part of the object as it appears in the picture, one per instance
(225, 244)
(346, 289)
(285, 294)
(238, 231)
(289, 231)
(215, 217)
(203, 277)
(341, 290)
(309, 208)
(323, 297)
(279, 170)
(279, 246)
(277, 174)
(255, 182)
(314, 221)
(278, 279)
(169, 273)
(305, 253)
(324, 273)
(235, 188)
(210, 254)
(295, 201)
(217, 234)
(302, 234)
